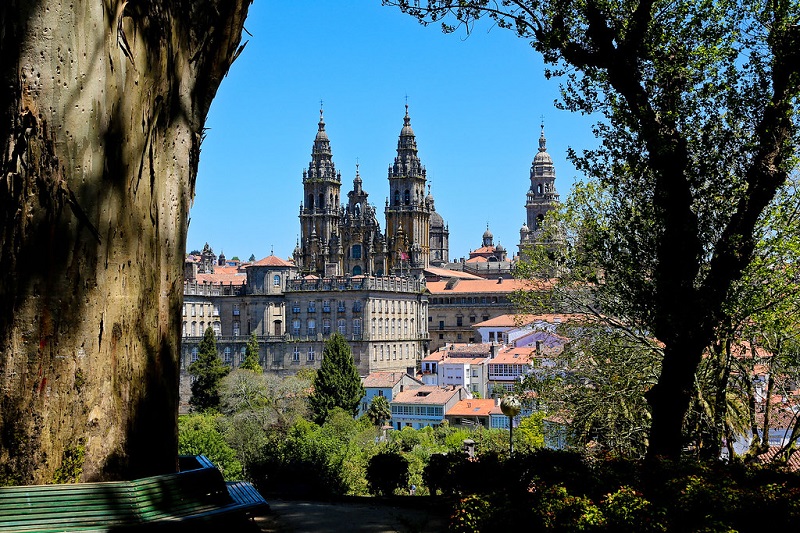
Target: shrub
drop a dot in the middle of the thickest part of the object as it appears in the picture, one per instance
(386, 473)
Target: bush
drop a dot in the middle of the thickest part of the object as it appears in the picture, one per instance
(386, 473)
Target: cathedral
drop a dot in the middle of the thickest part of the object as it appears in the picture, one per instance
(344, 237)
(541, 198)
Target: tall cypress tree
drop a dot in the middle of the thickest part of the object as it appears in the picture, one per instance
(208, 371)
(337, 383)
(251, 355)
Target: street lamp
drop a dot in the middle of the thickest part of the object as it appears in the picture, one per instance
(511, 407)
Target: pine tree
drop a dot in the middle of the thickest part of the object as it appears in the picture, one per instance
(251, 356)
(208, 371)
(337, 383)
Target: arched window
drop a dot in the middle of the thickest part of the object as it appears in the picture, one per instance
(357, 210)
(342, 326)
(396, 197)
(321, 201)
(277, 328)
(356, 251)
(539, 189)
(539, 220)
(310, 201)
(276, 280)
(407, 197)
(311, 326)
(356, 270)
(227, 358)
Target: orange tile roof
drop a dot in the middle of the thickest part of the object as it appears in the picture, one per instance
(384, 380)
(223, 278)
(427, 394)
(514, 320)
(271, 260)
(513, 355)
(447, 273)
(464, 348)
(464, 360)
(482, 407)
(477, 259)
(483, 250)
(485, 286)
(793, 465)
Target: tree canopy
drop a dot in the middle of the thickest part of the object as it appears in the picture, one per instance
(337, 383)
(697, 107)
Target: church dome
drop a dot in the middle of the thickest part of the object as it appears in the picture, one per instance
(487, 234)
(436, 220)
(524, 228)
(500, 248)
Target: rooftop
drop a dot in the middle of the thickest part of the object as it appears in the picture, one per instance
(428, 394)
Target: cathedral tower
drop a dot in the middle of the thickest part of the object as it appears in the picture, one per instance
(542, 196)
(361, 234)
(320, 244)
(407, 210)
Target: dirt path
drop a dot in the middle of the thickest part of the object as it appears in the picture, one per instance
(376, 516)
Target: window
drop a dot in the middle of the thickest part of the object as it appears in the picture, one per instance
(396, 197)
(183, 332)
(441, 325)
(458, 336)
(202, 309)
(216, 310)
(311, 326)
(227, 358)
(217, 329)
(393, 327)
(276, 280)
(194, 354)
(394, 353)
(310, 353)
(459, 321)
(472, 319)
(357, 270)
(356, 326)
(342, 326)
(441, 336)
(296, 307)
(296, 354)
(326, 326)
(296, 326)
(340, 306)
(312, 307)
(407, 197)
(235, 309)
(326, 306)
(374, 353)
(405, 327)
(194, 311)
(356, 251)
(236, 329)
(242, 354)
(430, 318)
(194, 329)
(380, 328)
(381, 353)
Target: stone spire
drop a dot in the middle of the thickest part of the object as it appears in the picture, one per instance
(407, 162)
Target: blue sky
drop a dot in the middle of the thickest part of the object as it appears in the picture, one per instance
(475, 105)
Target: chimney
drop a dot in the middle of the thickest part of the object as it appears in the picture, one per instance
(538, 347)
(500, 279)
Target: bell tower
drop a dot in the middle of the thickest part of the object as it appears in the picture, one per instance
(408, 211)
(320, 211)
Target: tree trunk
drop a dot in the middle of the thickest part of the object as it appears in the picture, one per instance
(102, 106)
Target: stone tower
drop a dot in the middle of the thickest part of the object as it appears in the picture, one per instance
(407, 209)
(320, 245)
(363, 242)
(439, 236)
(542, 196)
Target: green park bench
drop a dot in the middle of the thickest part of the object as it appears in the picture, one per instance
(163, 502)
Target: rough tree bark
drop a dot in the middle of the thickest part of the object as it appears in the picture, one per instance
(102, 106)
